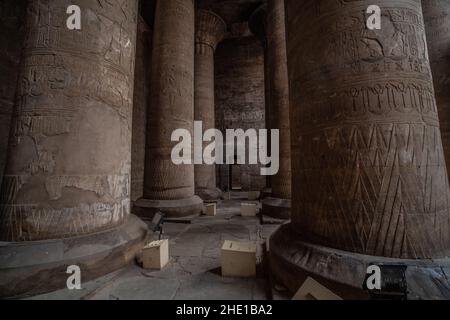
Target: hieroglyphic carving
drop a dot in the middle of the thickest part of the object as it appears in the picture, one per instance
(171, 100)
(437, 26)
(68, 169)
(368, 162)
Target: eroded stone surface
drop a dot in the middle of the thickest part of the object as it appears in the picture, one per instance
(68, 169)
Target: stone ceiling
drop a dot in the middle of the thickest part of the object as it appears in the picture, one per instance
(232, 11)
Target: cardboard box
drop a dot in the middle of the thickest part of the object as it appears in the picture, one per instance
(155, 255)
(238, 259)
(312, 290)
(211, 209)
(253, 195)
(249, 209)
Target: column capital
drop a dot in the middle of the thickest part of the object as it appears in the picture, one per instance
(210, 28)
(258, 23)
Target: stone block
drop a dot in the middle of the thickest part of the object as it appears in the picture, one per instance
(155, 255)
(211, 209)
(249, 209)
(238, 259)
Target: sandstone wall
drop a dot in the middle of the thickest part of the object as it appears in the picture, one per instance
(239, 74)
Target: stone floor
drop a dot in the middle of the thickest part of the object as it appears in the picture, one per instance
(194, 270)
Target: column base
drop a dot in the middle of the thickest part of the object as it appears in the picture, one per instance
(180, 208)
(277, 208)
(209, 194)
(292, 260)
(37, 267)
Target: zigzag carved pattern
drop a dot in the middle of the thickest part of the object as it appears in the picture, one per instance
(373, 189)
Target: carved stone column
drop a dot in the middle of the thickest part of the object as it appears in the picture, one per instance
(210, 30)
(437, 26)
(268, 23)
(67, 179)
(369, 174)
(258, 26)
(279, 204)
(168, 187)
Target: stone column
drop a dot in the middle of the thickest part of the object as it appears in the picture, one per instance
(368, 168)
(210, 30)
(268, 23)
(67, 179)
(437, 26)
(258, 26)
(279, 204)
(12, 31)
(168, 187)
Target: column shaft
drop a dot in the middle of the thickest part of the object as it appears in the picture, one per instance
(258, 26)
(68, 169)
(210, 29)
(437, 25)
(67, 179)
(279, 204)
(169, 187)
(368, 165)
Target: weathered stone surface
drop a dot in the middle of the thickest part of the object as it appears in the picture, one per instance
(239, 65)
(367, 153)
(12, 32)
(68, 170)
(171, 102)
(210, 30)
(140, 105)
(37, 267)
(437, 26)
(292, 260)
